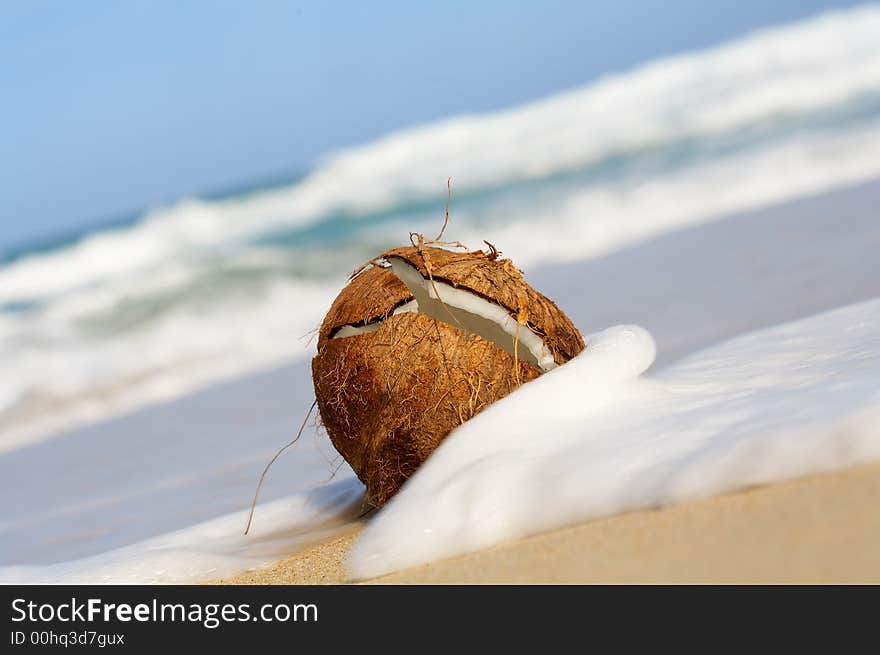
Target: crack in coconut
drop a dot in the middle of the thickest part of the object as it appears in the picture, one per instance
(462, 309)
(352, 330)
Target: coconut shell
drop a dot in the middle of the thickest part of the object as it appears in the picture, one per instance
(371, 295)
(387, 398)
(498, 281)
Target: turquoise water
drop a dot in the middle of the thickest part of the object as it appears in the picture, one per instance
(157, 303)
(152, 366)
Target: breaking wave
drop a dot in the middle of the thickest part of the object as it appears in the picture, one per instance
(208, 289)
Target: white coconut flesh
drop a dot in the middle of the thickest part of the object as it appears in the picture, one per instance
(372, 326)
(465, 310)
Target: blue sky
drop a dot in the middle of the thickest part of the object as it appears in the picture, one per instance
(111, 107)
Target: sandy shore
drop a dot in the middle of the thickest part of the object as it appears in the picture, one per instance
(813, 530)
(199, 456)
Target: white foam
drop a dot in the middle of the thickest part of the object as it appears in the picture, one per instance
(58, 372)
(84, 378)
(806, 66)
(593, 222)
(213, 549)
(590, 439)
(73, 379)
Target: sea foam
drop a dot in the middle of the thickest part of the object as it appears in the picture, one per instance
(818, 64)
(208, 290)
(595, 437)
(591, 439)
(212, 549)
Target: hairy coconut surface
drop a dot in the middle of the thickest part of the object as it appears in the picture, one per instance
(410, 351)
(389, 397)
(369, 297)
(499, 282)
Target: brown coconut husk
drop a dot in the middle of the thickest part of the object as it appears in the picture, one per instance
(372, 293)
(498, 281)
(387, 398)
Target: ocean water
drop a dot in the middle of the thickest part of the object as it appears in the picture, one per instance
(704, 196)
(208, 289)
(591, 438)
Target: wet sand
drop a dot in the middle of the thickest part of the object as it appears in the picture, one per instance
(821, 529)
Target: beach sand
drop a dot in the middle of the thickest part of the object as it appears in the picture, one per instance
(820, 529)
(170, 466)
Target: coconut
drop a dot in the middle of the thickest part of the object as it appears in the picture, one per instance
(418, 342)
